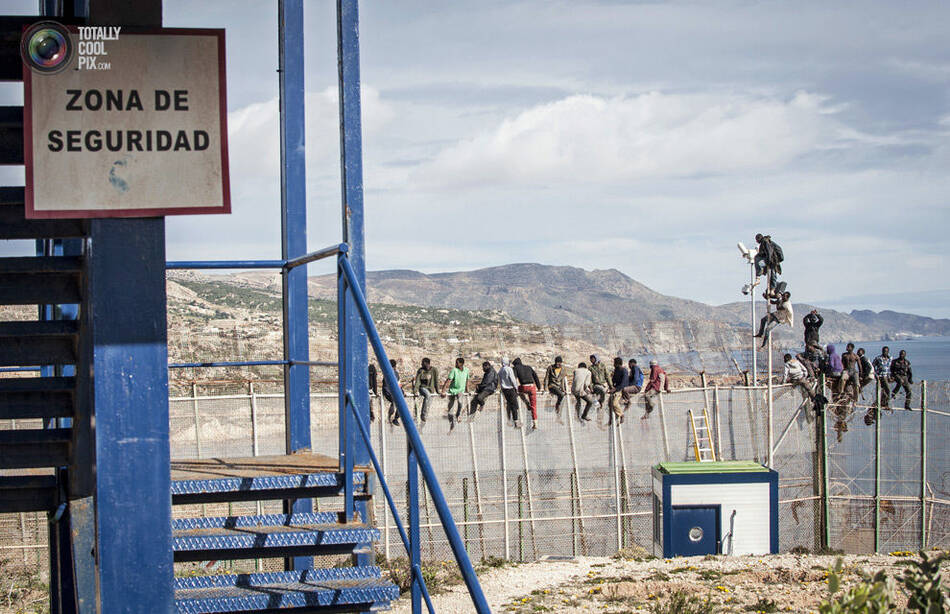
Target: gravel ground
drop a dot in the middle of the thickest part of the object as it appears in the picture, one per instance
(778, 583)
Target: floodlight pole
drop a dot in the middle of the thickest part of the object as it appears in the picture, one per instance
(755, 364)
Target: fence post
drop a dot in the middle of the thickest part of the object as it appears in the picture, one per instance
(923, 464)
(465, 512)
(666, 440)
(385, 467)
(477, 491)
(718, 429)
(768, 416)
(877, 467)
(527, 484)
(613, 448)
(253, 400)
(575, 476)
(415, 550)
(504, 471)
(520, 523)
(194, 408)
(823, 437)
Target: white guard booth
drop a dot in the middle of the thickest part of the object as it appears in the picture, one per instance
(726, 507)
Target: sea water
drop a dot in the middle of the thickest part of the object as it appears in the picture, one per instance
(929, 356)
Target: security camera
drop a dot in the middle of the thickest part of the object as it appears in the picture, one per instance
(745, 251)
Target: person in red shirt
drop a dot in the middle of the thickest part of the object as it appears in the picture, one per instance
(658, 383)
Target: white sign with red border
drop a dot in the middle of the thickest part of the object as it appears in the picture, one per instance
(134, 126)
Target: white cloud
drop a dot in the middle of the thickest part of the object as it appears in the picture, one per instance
(254, 133)
(592, 139)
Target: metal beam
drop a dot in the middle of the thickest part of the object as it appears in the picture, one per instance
(293, 219)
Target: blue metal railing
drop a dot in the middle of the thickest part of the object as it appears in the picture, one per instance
(418, 460)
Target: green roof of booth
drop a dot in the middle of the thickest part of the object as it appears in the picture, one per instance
(711, 467)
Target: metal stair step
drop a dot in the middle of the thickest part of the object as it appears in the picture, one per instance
(259, 539)
(37, 397)
(27, 493)
(313, 589)
(14, 225)
(266, 520)
(38, 342)
(298, 486)
(11, 135)
(40, 280)
(31, 448)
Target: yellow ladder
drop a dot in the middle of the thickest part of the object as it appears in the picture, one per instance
(702, 439)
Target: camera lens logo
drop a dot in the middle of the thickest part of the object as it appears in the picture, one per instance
(46, 47)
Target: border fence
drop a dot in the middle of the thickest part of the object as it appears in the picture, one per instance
(584, 488)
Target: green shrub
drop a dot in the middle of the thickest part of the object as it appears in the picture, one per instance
(681, 602)
(872, 596)
(923, 585)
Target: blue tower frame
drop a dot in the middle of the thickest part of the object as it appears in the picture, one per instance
(111, 537)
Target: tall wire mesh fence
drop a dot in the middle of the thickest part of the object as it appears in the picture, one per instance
(584, 488)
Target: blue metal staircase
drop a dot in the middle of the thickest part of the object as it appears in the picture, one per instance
(98, 459)
(355, 588)
(29, 457)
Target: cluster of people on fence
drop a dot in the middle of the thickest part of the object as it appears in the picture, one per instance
(592, 386)
(848, 373)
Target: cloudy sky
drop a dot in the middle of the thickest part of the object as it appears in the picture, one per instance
(643, 136)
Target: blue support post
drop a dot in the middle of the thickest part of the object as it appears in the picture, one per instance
(415, 550)
(354, 361)
(293, 208)
(126, 287)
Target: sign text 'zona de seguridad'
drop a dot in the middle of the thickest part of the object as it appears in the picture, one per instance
(126, 140)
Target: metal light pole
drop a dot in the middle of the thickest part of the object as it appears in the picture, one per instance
(747, 254)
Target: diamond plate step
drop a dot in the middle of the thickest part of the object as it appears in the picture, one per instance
(38, 342)
(290, 486)
(259, 537)
(36, 397)
(308, 590)
(267, 520)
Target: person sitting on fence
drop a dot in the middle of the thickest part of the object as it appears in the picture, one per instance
(599, 382)
(619, 379)
(903, 376)
(388, 394)
(783, 314)
(813, 358)
(851, 375)
(866, 368)
(635, 384)
(426, 383)
(458, 378)
(555, 382)
(485, 388)
(812, 323)
(581, 389)
(508, 382)
(796, 373)
(657, 384)
(528, 385)
(882, 369)
(833, 366)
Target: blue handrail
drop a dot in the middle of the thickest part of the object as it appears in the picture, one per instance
(416, 571)
(414, 446)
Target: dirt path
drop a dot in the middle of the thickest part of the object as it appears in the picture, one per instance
(780, 583)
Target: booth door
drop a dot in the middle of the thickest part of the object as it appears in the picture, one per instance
(695, 530)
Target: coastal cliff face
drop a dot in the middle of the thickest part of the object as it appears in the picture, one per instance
(526, 310)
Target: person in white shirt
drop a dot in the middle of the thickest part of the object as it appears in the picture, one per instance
(796, 373)
(783, 314)
(582, 391)
(508, 382)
